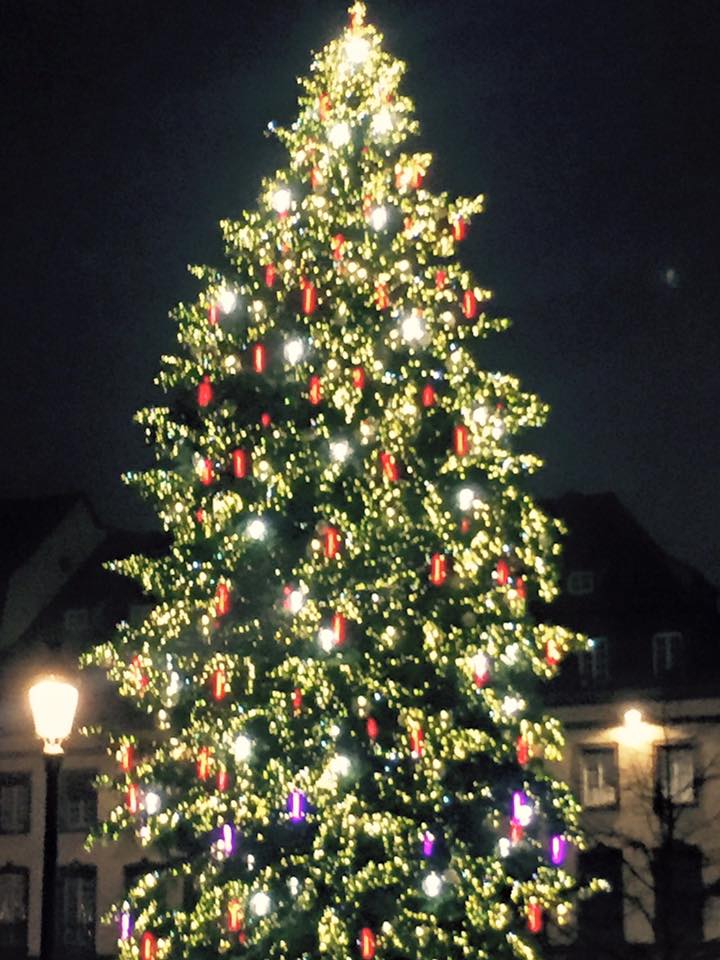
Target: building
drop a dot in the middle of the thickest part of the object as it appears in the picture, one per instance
(650, 783)
(642, 715)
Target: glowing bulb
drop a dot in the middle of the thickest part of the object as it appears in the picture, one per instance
(339, 135)
(522, 809)
(256, 529)
(152, 803)
(294, 350)
(357, 50)
(243, 748)
(413, 327)
(295, 600)
(339, 450)
(633, 718)
(340, 765)
(281, 200)
(504, 847)
(382, 122)
(432, 884)
(466, 498)
(511, 705)
(326, 639)
(227, 300)
(378, 218)
(480, 414)
(260, 904)
(294, 886)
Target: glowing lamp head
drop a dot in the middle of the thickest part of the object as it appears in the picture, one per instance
(379, 218)
(256, 529)
(260, 904)
(294, 350)
(242, 748)
(339, 135)
(357, 50)
(281, 200)
(413, 327)
(432, 884)
(227, 300)
(633, 718)
(53, 703)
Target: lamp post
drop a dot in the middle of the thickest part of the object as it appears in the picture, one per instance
(53, 703)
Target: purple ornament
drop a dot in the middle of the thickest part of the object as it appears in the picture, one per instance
(428, 844)
(126, 925)
(296, 806)
(558, 850)
(521, 808)
(228, 839)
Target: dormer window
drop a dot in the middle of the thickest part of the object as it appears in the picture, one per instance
(666, 652)
(580, 583)
(594, 663)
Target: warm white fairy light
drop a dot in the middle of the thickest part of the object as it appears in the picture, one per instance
(242, 748)
(382, 122)
(260, 904)
(339, 450)
(339, 135)
(281, 200)
(357, 50)
(413, 327)
(379, 218)
(432, 884)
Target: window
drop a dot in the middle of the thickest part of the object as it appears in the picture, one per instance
(76, 910)
(676, 773)
(580, 583)
(679, 897)
(13, 912)
(600, 918)
(599, 776)
(14, 802)
(594, 663)
(76, 620)
(666, 652)
(78, 801)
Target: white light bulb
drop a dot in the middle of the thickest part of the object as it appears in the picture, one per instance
(243, 748)
(260, 904)
(512, 705)
(294, 886)
(466, 498)
(295, 601)
(339, 450)
(294, 350)
(339, 135)
(432, 884)
(480, 665)
(227, 300)
(281, 200)
(378, 218)
(524, 814)
(413, 327)
(152, 803)
(504, 847)
(256, 529)
(382, 122)
(326, 639)
(340, 765)
(357, 50)
(480, 414)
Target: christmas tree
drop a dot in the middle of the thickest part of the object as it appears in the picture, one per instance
(340, 674)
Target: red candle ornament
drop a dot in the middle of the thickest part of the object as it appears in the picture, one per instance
(438, 569)
(213, 314)
(240, 463)
(429, 397)
(223, 600)
(270, 274)
(235, 917)
(339, 629)
(469, 304)
(132, 799)
(324, 106)
(315, 390)
(382, 297)
(552, 653)
(516, 832)
(259, 358)
(358, 378)
(148, 946)
(266, 420)
(205, 393)
(126, 756)
(502, 571)
(317, 179)
(297, 700)
(523, 751)
(207, 475)
(138, 673)
(372, 728)
(338, 242)
(368, 944)
(200, 515)
(308, 297)
(535, 918)
(440, 279)
(389, 466)
(332, 542)
(219, 684)
(222, 780)
(203, 763)
(521, 588)
(461, 441)
(459, 229)
(417, 742)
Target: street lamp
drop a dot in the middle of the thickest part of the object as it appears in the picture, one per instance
(53, 703)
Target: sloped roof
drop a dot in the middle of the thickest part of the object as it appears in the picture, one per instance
(24, 524)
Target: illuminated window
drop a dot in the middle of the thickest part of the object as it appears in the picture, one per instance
(76, 914)
(599, 777)
(78, 801)
(594, 663)
(666, 652)
(580, 583)
(676, 773)
(13, 912)
(14, 803)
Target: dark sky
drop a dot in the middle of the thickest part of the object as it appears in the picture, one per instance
(130, 127)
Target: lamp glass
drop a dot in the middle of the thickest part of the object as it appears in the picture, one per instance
(53, 703)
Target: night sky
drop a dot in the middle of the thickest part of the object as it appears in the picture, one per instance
(130, 127)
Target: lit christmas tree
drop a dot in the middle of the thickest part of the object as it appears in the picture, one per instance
(340, 668)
